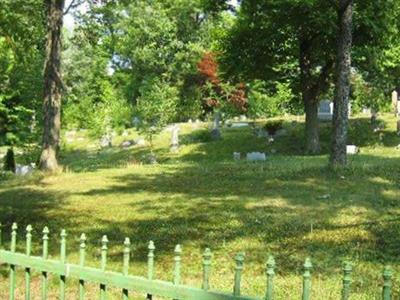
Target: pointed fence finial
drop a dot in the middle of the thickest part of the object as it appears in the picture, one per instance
(63, 250)
(45, 239)
(28, 240)
(14, 228)
(82, 249)
(150, 260)
(307, 279)
(177, 269)
(387, 283)
(347, 270)
(239, 260)
(270, 271)
(206, 269)
(104, 248)
(127, 251)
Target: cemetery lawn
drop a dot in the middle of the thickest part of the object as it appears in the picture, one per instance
(291, 206)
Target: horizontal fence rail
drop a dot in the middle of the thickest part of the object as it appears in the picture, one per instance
(147, 286)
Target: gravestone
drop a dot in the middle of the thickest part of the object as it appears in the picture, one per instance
(174, 147)
(398, 127)
(281, 132)
(395, 99)
(261, 132)
(366, 110)
(136, 121)
(215, 132)
(240, 125)
(106, 141)
(236, 155)
(325, 110)
(256, 156)
(352, 149)
(140, 142)
(21, 170)
(127, 144)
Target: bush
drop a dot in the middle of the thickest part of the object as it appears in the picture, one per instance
(273, 126)
(9, 161)
(156, 106)
(264, 104)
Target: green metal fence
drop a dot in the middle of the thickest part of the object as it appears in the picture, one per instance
(147, 286)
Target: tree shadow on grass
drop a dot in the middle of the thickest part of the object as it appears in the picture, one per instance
(291, 212)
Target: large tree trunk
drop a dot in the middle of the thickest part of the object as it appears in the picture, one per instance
(52, 86)
(309, 95)
(312, 126)
(342, 90)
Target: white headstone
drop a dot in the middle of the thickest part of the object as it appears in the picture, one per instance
(140, 142)
(106, 141)
(23, 170)
(256, 156)
(395, 99)
(352, 149)
(175, 138)
(240, 125)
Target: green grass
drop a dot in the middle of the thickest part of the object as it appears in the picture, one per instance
(292, 206)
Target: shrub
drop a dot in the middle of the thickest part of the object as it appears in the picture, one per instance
(9, 161)
(265, 104)
(273, 126)
(156, 106)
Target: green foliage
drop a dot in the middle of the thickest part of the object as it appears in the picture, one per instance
(92, 100)
(156, 106)
(365, 94)
(264, 104)
(21, 63)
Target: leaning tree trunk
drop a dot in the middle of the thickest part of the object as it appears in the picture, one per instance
(342, 90)
(52, 86)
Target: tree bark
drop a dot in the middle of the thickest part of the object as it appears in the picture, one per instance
(340, 122)
(310, 98)
(52, 86)
(312, 126)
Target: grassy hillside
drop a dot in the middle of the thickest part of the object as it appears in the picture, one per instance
(292, 206)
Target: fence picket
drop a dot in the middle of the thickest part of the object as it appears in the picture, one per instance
(387, 283)
(45, 255)
(104, 248)
(14, 228)
(239, 259)
(269, 295)
(63, 255)
(150, 265)
(307, 279)
(206, 269)
(127, 250)
(82, 249)
(347, 269)
(28, 270)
